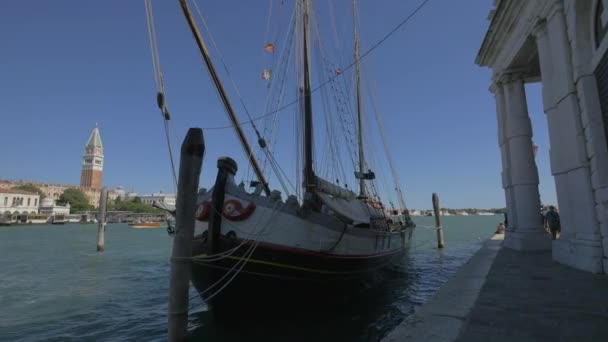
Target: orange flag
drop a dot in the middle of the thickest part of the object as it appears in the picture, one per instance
(269, 47)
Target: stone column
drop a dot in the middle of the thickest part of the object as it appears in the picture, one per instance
(580, 242)
(528, 232)
(498, 91)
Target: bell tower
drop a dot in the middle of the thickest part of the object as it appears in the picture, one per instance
(92, 162)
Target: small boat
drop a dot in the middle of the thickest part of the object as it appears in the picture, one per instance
(73, 218)
(58, 219)
(145, 225)
(5, 221)
(38, 219)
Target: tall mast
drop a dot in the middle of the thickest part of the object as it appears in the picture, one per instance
(309, 175)
(220, 89)
(359, 110)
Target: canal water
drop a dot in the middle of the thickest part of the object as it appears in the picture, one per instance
(54, 286)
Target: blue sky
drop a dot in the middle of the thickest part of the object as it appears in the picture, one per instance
(66, 65)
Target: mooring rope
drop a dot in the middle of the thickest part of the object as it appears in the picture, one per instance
(428, 227)
(240, 264)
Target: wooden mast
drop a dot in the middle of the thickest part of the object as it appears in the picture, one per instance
(220, 89)
(309, 175)
(361, 177)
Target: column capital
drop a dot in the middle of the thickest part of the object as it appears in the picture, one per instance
(510, 76)
(555, 8)
(495, 87)
(540, 28)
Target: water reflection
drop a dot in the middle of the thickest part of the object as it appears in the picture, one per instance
(367, 315)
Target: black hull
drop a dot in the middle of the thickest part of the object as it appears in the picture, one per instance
(276, 275)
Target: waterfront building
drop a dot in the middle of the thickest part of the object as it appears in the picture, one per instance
(563, 45)
(49, 207)
(414, 212)
(13, 201)
(50, 190)
(167, 199)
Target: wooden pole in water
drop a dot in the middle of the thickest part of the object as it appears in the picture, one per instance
(101, 230)
(438, 226)
(193, 149)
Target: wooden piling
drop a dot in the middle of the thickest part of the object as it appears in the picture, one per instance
(101, 229)
(226, 166)
(192, 151)
(438, 226)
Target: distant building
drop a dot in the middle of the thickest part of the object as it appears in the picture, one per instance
(120, 193)
(90, 178)
(49, 207)
(414, 212)
(168, 199)
(14, 201)
(92, 163)
(49, 190)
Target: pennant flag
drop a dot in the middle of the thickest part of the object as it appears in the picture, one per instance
(269, 48)
(266, 74)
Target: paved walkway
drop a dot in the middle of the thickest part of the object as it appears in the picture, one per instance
(529, 297)
(443, 316)
(504, 295)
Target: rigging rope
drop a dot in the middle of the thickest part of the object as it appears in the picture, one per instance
(391, 163)
(277, 99)
(349, 66)
(334, 154)
(261, 141)
(160, 88)
(221, 58)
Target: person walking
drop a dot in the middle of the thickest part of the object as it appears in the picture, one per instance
(552, 221)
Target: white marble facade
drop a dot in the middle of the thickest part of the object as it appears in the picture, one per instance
(561, 43)
(14, 202)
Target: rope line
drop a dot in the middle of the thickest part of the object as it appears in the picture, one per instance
(251, 120)
(160, 88)
(241, 263)
(324, 83)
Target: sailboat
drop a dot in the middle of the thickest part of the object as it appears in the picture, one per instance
(255, 244)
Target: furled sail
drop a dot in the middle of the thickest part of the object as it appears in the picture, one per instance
(334, 190)
(344, 203)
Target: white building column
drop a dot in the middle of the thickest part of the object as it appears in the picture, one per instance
(527, 232)
(498, 91)
(580, 242)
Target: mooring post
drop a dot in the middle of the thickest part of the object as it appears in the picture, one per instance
(101, 229)
(226, 166)
(438, 226)
(193, 149)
